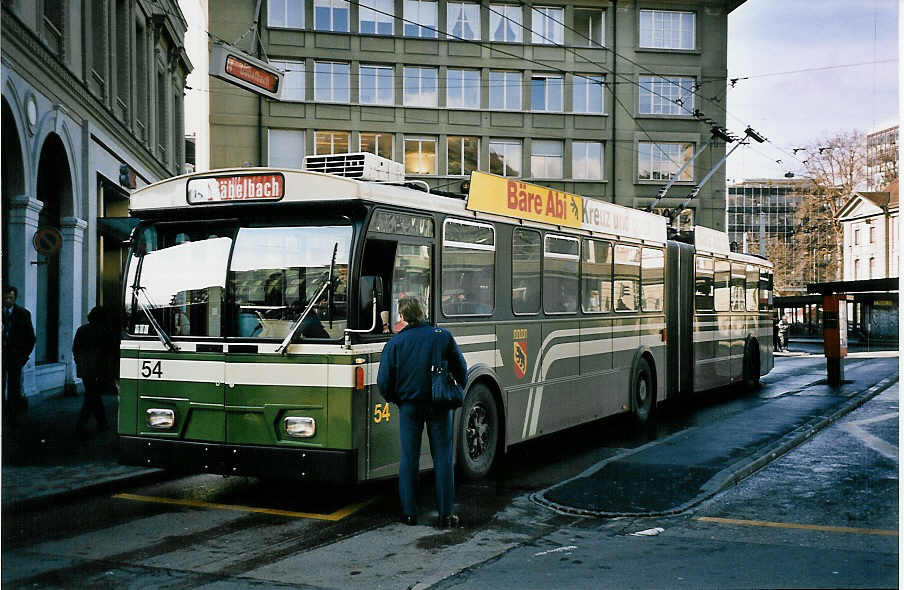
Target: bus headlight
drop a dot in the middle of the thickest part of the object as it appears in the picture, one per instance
(300, 426)
(160, 418)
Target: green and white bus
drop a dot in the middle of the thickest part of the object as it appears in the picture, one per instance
(257, 302)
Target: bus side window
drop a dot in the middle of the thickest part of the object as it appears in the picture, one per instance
(378, 259)
(738, 283)
(722, 282)
(703, 300)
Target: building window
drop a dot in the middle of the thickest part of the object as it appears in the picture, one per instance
(561, 263)
(505, 23)
(588, 93)
(666, 95)
(505, 90)
(331, 81)
(587, 160)
(123, 55)
(420, 19)
(162, 115)
(547, 26)
(463, 89)
(546, 158)
(286, 14)
(661, 161)
(331, 15)
(99, 40)
(546, 93)
(856, 236)
(376, 85)
(331, 142)
(872, 269)
(872, 234)
(856, 269)
(462, 155)
(588, 27)
(376, 17)
(463, 20)
(293, 79)
(379, 144)
(285, 148)
(420, 155)
(420, 87)
(54, 25)
(141, 80)
(667, 29)
(505, 157)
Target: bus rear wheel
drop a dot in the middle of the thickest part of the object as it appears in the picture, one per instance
(478, 434)
(643, 394)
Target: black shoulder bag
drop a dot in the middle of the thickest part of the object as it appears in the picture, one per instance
(446, 392)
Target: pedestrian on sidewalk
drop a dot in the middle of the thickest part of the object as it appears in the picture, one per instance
(784, 326)
(18, 342)
(404, 379)
(94, 346)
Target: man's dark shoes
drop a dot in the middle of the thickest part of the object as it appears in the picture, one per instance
(449, 521)
(409, 520)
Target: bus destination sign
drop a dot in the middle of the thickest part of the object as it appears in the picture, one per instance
(513, 198)
(223, 189)
(236, 67)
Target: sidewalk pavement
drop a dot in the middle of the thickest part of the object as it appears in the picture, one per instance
(44, 458)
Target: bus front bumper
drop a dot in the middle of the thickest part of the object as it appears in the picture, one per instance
(315, 465)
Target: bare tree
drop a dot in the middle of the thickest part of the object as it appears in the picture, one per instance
(837, 167)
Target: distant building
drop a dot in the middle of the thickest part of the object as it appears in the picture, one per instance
(600, 99)
(881, 157)
(870, 222)
(763, 203)
(91, 101)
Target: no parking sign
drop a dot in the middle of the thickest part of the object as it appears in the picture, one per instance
(47, 240)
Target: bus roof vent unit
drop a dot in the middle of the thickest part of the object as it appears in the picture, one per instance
(359, 165)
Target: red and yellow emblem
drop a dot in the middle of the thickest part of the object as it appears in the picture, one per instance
(519, 352)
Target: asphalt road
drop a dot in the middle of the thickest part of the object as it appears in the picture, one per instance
(823, 515)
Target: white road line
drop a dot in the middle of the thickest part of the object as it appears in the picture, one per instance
(874, 442)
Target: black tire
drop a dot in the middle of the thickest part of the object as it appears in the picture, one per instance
(643, 393)
(751, 367)
(478, 433)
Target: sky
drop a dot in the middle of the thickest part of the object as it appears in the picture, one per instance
(797, 109)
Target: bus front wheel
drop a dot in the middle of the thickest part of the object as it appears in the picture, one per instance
(643, 394)
(478, 435)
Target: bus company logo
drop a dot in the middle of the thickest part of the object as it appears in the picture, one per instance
(519, 352)
(235, 188)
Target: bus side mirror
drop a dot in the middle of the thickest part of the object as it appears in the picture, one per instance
(370, 287)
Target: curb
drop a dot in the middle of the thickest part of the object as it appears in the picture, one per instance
(143, 477)
(732, 474)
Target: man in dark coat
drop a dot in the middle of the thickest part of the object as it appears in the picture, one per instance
(94, 347)
(404, 379)
(18, 342)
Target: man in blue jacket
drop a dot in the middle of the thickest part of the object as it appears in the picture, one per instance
(404, 379)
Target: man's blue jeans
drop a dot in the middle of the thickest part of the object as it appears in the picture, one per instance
(412, 418)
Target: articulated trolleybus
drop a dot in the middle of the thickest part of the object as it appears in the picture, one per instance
(258, 302)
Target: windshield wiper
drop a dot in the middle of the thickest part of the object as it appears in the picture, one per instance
(161, 333)
(327, 284)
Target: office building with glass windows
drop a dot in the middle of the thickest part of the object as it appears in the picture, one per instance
(603, 99)
(763, 205)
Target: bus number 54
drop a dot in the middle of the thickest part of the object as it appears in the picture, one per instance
(381, 413)
(150, 368)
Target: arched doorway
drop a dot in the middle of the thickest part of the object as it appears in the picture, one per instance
(12, 169)
(54, 189)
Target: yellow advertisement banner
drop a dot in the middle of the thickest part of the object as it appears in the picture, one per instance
(513, 198)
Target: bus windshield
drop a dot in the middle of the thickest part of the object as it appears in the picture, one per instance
(210, 280)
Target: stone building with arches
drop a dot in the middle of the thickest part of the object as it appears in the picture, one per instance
(92, 106)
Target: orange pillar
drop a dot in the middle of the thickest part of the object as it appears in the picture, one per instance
(834, 325)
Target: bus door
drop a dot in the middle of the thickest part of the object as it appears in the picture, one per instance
(596, 325)
(625, 326)
(174, 292)
(738, 320)
(398, 250)
(679, 316)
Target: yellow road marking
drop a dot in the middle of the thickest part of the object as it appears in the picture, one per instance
(334, 516)
(806, 527)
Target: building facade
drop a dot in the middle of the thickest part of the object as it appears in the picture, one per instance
(870, 222)
(603, 99)
(762, 207)
(91, 101)
(881, 158)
